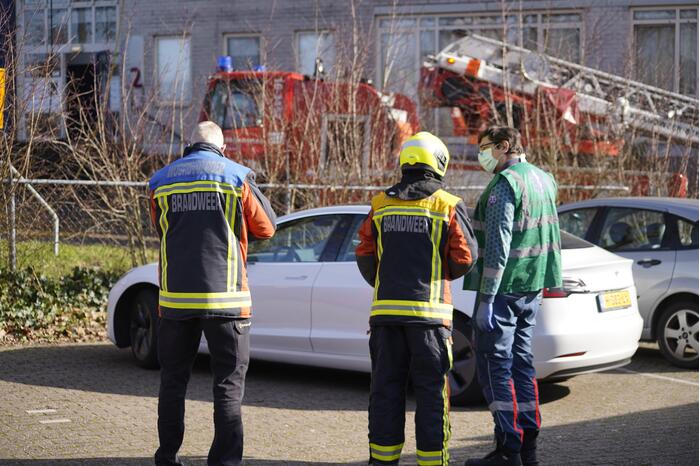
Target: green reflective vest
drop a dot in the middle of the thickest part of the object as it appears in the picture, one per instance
(534, 261)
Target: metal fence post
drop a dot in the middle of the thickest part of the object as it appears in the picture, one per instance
(13, 231)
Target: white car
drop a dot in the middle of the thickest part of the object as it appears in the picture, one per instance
(311, 306)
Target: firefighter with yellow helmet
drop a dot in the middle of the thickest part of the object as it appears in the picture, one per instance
(416, 238)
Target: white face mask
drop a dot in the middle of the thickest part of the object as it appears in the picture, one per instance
(488, 163)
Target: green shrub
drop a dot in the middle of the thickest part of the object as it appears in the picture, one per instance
(34, 306)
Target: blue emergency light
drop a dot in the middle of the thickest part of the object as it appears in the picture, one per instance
(259, 68)
(224, 63)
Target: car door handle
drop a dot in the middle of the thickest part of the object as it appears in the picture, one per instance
(297, 277)
(648, 262)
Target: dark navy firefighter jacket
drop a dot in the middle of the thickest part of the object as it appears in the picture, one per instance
(205, 207)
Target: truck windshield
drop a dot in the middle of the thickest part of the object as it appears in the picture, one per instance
(233, 104)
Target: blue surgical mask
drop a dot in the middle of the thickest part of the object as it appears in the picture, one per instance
(488, 163)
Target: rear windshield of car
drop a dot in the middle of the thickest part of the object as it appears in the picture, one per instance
(569, 241)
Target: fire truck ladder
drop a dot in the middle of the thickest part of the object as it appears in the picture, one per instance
(629, 103)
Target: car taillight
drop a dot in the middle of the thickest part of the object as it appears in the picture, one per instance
(555, 293)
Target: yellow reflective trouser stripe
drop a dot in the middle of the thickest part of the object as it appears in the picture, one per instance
(194, 186)
(163, 203)
(430, 458)
(385, 453)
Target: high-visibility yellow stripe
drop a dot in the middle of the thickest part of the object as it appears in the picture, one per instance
(163, 203)
(439, 282)
(233, 244)
(398, 302)
(410, 210)
(216, 189)
(386, 448)
(197, 183)
(433, 263)
(427, 314)
(380, 250)
(385, 457)
(228, 294)
(225, 305)
(229, 247)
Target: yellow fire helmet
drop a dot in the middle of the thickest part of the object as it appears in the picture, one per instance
(426, 149)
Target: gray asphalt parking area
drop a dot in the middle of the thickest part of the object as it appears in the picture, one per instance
(88, 404)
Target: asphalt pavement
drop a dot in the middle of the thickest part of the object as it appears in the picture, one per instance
(88, 404)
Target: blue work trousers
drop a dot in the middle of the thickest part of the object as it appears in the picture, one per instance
(505, 367)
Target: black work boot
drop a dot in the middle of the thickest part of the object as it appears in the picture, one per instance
(498, 457)
(528, 452)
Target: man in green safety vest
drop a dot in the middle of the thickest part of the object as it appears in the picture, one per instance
(517, 228)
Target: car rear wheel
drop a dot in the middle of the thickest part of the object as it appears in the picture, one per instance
(464, 386)
(143, 328)
(677, 334)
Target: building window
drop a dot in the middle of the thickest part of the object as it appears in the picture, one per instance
(81, 25)
(58, 25)
(666, 48)
(405, 42)
(244, 51)
(174, 69)
(34, 26)
(312, 45)
(60, 22)
(105, 24)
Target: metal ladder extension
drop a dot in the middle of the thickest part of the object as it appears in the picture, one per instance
(630, 103)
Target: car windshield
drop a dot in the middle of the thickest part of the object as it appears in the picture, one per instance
(233, 104)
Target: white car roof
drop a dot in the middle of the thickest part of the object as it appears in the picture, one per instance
(340, 209)
(686, 208)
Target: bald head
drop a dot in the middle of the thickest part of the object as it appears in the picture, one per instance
(209, 132)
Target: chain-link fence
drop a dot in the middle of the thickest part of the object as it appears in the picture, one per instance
(107, 223)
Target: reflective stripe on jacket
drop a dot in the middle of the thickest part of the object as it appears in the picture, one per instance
(204, 206)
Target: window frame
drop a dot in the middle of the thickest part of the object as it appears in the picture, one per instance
(245, 35)
(161, 101)
(676, 22)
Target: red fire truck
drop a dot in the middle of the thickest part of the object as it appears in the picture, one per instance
(288, 125)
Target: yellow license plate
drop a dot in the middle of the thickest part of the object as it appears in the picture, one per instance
(614, 300)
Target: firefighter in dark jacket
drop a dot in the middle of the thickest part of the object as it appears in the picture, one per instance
(415, 239)
(205, 208)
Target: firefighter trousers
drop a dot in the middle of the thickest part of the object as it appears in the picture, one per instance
(505, 368)
(229, 346)
(424, 353)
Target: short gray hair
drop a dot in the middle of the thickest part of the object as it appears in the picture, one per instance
(208, 131)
